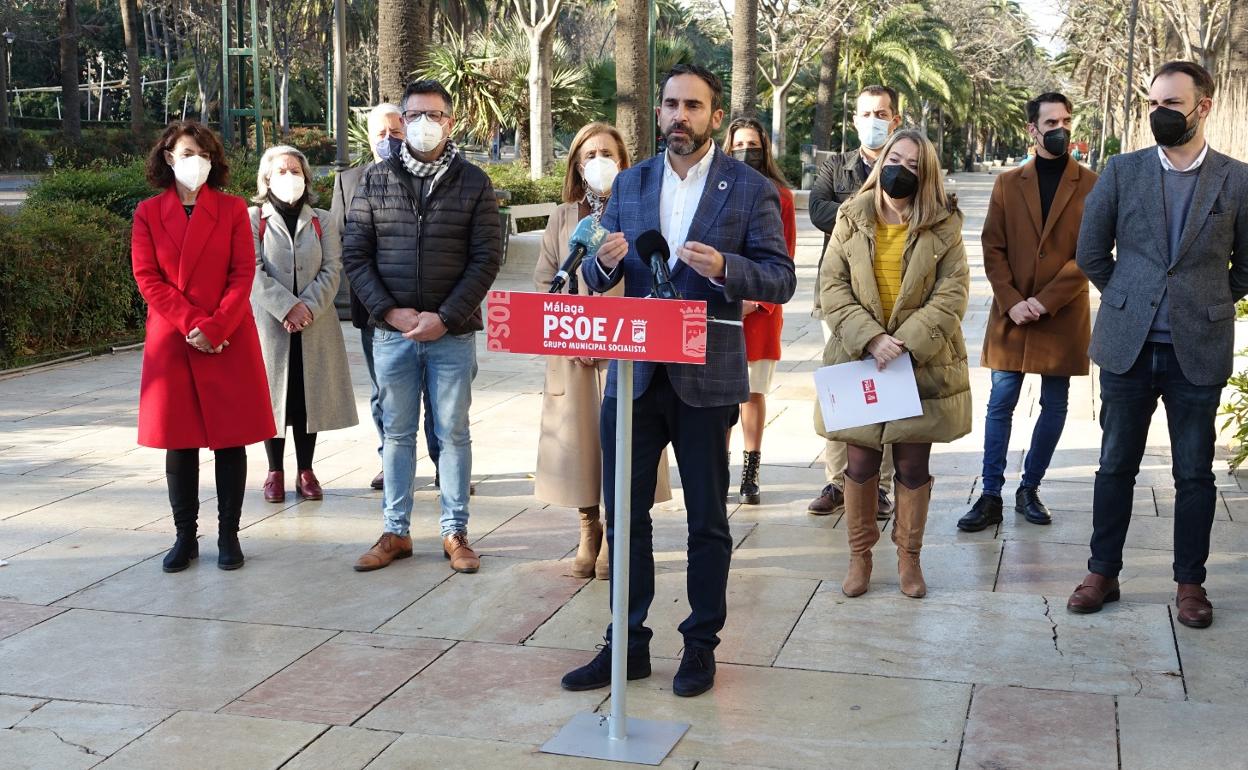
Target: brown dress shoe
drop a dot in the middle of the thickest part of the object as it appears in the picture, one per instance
(1195, 611)
(463, 559)
(309, 488)
(379, 481)
(387, 548)
(275, 487)
(1093, 593)
(831, 500)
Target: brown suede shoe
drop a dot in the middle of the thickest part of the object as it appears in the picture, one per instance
(275, 487)
(1093, 593)
(463, 559)
(1195, 611)
(387, 548)
(831, 500)
(379, 481)
(309, 488)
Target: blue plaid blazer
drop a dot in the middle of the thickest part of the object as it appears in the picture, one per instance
(739, 215)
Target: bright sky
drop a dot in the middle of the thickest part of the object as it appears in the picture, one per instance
(1046, 19)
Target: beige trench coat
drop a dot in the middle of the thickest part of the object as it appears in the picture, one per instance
(318, 264)
(927, 318)
(569, 450)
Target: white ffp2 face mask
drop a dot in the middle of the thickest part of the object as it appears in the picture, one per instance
(424, 135)
(192, 171)
(599, 174)
(287, 187)
(872, 132)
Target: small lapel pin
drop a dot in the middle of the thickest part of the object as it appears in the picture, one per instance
(723, 185)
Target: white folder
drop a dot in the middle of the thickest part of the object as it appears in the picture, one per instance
(858, 393)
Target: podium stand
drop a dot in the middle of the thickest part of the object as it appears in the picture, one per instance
(625, 329)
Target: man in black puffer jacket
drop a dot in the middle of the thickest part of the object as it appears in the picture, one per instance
(422, 247)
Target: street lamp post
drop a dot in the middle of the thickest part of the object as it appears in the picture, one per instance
(341, 161)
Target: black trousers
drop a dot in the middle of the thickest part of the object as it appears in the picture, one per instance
(296, 416)
(699, 437)
(182, 476)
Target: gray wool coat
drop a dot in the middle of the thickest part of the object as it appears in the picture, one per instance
(318, 264)
(1124, 250)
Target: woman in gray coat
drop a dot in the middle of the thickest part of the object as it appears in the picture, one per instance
(298, 269)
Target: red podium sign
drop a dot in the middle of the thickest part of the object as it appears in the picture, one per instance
(622, 328)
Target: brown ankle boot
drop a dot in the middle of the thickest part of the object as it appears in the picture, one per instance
(862, 532)
(908, 525)
(590, 545)
(602, 567)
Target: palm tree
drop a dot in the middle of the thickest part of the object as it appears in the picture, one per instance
(634, 114)
(538, 23)
(745, 58)
(71, 120)
(129, 24)
(402, 39)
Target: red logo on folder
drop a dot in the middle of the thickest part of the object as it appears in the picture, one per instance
(868, 391)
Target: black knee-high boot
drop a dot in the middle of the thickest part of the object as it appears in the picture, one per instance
(231, 485)
(182, 476)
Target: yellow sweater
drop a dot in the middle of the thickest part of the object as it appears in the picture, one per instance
(890, 245)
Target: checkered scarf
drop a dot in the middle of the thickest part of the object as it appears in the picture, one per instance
(435, 169)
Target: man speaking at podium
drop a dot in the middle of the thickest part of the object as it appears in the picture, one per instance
(724, 242)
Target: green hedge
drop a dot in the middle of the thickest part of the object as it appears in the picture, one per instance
(29, 151)
(65, 268)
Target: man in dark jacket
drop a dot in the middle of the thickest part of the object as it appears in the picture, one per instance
(422, 247)
(839, 178)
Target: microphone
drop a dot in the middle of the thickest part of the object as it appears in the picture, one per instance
(652, 247)
(586, 239)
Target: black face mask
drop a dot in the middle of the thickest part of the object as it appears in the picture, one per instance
(898, 181)
(1055, 142)
(1170, 127)
(750, 156)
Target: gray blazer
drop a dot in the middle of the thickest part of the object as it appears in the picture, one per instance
(1125, 210)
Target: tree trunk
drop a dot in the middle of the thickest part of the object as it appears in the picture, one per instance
(940, 135)
(634, 112)
(71, 116)
(779, 112)
(129, 25)
(825, 96)
(4, 84)
(402, 40)
(745, 58)
(284, 98)
(541, 62)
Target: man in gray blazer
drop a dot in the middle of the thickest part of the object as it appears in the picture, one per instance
(1178, 216)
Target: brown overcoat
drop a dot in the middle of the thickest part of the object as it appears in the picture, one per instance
(569, 452)
(1024, 258)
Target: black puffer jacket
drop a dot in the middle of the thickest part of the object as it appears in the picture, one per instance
(440, 254)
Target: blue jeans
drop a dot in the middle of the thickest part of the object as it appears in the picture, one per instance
(374, 401)
(1128, 401)
(445, 367)
(1006, 386)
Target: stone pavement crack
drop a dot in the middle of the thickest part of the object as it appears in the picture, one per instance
(1048, 613)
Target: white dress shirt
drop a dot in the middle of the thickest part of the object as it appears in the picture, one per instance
(1168, 166)
(679, 199)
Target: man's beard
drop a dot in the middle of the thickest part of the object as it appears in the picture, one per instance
(689, 143)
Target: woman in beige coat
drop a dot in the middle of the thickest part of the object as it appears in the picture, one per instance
(894, 279)
(298, 268)
(569, 452)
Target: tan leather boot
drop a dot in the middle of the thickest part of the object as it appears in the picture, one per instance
(908, 526)
(590, 545)
(862, 532)
(602, 568)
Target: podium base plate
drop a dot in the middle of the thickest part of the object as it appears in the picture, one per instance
(648, 741)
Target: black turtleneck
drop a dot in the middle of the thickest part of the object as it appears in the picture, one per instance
(289, 213)
(1049, 173)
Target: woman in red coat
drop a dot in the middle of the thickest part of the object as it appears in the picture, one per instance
(203, 381)
(747, 141)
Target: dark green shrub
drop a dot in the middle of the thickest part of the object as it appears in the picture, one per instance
(22, 151)
(66, 279)
(315, 143)
(117, 188)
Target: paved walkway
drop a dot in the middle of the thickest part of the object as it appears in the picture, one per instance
(296, 661)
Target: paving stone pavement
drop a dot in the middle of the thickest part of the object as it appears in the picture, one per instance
(296, 661)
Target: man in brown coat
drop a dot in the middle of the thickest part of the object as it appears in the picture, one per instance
(1039, 320)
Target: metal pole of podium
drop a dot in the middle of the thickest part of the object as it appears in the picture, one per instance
(620, 549)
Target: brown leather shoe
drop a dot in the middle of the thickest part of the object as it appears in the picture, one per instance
(309, 488)
(275, 487)
(1093, 593)
(379, 481)
(387, 548)
(831, 500)
(463, 559)
(1195, 611)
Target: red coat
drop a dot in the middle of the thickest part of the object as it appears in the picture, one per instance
(198, 273)
(763, 326)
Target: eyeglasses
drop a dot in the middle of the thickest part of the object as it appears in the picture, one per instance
(411, 116)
